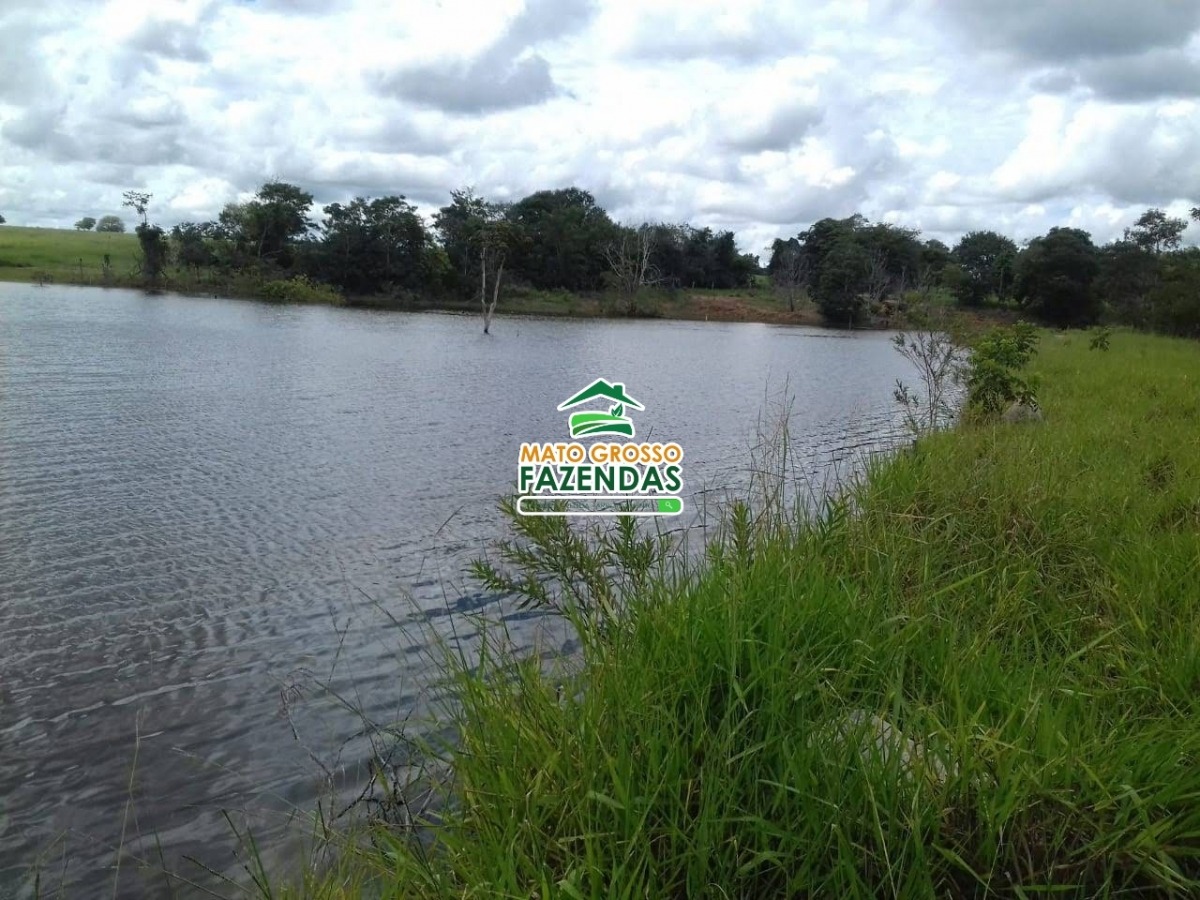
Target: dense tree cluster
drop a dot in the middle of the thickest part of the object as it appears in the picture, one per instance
(852, 269)
(551, 240)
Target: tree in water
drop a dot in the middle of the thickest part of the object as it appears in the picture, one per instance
(494, 241)
(478, 238)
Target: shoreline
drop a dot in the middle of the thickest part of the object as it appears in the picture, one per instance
(756, 305)
(978, 661)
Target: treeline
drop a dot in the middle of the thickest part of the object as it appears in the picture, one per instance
(382, 247)
(854, 270)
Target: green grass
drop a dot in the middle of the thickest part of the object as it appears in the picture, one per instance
(66, 255)
(983, 682)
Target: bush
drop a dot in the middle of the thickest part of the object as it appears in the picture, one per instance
(935, 356)
(156, 251)
(993, 374)
(299, 289)
(1101, 338)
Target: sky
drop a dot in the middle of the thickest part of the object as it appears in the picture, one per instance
(760, 117)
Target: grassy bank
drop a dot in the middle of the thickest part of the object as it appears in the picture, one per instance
(760, 304)
(61, 255)
(983, 683)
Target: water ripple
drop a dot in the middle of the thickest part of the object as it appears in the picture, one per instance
(217, 516)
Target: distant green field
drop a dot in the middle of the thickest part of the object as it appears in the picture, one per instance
(62, 253)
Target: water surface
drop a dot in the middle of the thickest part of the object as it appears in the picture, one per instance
(211, 508)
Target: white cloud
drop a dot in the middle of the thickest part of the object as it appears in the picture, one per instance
(756, 116)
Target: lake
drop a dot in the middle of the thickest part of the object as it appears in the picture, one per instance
(219, 517)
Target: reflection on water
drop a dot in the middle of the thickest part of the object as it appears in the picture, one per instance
(207, 507)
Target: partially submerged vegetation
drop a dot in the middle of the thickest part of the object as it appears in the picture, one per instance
(974, 674)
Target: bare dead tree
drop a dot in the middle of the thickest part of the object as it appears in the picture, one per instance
(926, 280)
(880, 282)
(791, 274)
(629, 258)
(493, 241)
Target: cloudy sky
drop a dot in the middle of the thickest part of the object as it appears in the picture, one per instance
(762, 117)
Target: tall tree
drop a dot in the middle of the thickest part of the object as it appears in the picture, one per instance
(895, 254)
(194, 244)
(274, 219)
(566, 233)
(111, 224)
(1056, 276)
(139, 201)
(1156, 231)
(455, 225)
(935, 258)
(87, 223)
(156, 250)
(845, 270)
(788, 269)
(1174, 304)
(1128, 274)
(987, 261)
(819, 239)
(373, 245)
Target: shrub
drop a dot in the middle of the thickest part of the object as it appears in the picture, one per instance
(993, 373)
(1100, 339)
(156, 251)
(935, 357)
(299, 289)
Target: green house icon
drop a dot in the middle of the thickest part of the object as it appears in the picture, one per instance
(589, 424)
